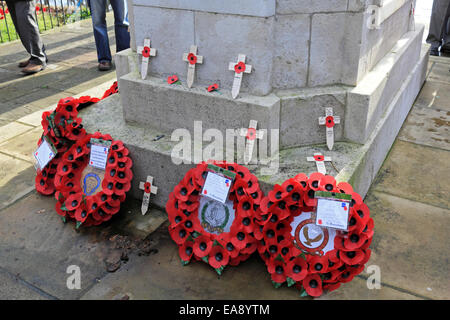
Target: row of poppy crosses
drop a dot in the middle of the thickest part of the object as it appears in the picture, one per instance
(192, 59)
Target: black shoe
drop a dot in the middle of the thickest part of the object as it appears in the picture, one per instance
(104, 66)
(445, 48)
(434, 52)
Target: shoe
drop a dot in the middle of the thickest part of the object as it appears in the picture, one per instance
(23, 64)
(104, 66)
(434, 52)
(33, 68)
(445, 48)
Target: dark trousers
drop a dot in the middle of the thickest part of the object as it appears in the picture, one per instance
(439, 32)
(98, 11)
(22, 15)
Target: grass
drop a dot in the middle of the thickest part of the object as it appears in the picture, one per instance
(45, 22)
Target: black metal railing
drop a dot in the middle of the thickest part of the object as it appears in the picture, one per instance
(48, 14)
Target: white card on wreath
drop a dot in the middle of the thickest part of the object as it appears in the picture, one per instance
(99, 153)
(44, 154)
(216, 187)
(332, 214)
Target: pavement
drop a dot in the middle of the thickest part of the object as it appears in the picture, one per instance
(127, 258)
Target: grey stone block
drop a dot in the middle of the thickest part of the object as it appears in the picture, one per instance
(158, 105)
(220, 38)
(310, 6)
(335, 48)
(257, 8)
(300, 112)
(291, 51)
(369, 100)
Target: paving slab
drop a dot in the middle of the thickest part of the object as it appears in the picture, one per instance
(440, 72)
(416, 172)
(12, 129)
(39, 248)
(410, 244)
(357, 290)
(12, 289)
(434, 95)
(16, 179)
(427, 127)
(161, 276)
(22, 146)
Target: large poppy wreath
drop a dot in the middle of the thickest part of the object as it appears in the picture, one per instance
(62, 127)
(88, 196)
(302, 254)
(208, 230)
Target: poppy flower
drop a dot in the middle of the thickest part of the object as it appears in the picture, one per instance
(368, 230)
(146, 52)
(328, 183)
(250, 247)
(179, 234)
(314, 180)
(239, 67)
(277, 270)
(81, 213)
(202, 246)
(278, 193)
(352, 257)
(172, 79)
(181, 192)
(244, 173)
(213, 87)
(123, 176)
(218, 257)
(239, 237)
(356, 223)
(44, 187)
(313, 285)
(354, 241)
(73, 201)
(317, 264)
(331, 286)
(318, 157)
(59, 210)
(192, 58)
(232, 251)
(122, 188)
(186, 250)
(329, 121)
(235, 261)
(345, 276)
(297, 269)
(345, 187)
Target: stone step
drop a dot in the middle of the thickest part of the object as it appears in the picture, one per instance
(369, 100)
(352, 162)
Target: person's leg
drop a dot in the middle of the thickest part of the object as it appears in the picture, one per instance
(29, 31)
(98, 12)
(12, 11)
(437, 23)
(446, 36)
(121, 24)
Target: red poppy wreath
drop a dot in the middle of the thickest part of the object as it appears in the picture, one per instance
(63, 128)
(204, 229)
(88, 195)
(302, 254)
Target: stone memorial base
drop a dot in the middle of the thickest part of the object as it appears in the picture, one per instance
(373, 114)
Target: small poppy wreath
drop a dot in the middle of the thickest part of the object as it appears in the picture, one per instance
(86, 203)
(172, 79)
(329, 121)
(304, 255)
(213, 87)
(63, 128)
(202, 234)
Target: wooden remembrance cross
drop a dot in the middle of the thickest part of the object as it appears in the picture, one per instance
(239, 69)
(146, 52)
(251, 134)
(148, 188)
(329, 121)
(192, 58)
(319, 159)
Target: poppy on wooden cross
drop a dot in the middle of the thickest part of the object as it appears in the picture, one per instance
(319, 159)
(146, 52)
(148, 188)
(239, 69)
(192, 58)
(250, 134)
(329, 121)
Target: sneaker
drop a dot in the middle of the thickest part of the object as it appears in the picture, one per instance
(33, 68)
(24, 63)
(104, 66)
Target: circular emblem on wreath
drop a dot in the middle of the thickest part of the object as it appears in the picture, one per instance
(204, 229)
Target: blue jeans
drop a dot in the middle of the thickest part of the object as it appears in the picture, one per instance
(98, 11)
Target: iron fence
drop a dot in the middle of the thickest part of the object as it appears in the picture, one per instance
(48, 14)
